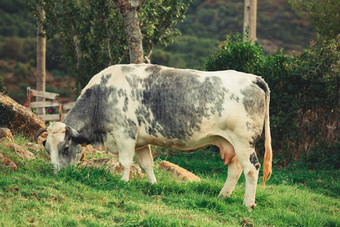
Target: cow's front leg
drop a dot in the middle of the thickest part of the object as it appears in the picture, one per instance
(126, 150)
(234, 173)
(145, 161)
(248, 160)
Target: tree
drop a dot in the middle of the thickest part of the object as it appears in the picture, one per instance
(92, 32)
(128, 8)
(41, 57)
(323, 15)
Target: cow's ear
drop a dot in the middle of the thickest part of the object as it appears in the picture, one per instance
(75, 136)
(68, 133)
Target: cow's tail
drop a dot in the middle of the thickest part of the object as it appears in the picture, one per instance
(268, 155)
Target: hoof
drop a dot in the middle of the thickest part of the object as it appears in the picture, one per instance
(223, 195)
(251, 205)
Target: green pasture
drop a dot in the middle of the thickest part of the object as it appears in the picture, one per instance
(33, 195)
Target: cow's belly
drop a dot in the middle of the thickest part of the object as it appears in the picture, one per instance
(226, 149)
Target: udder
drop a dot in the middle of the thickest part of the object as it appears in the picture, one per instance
(226, 149)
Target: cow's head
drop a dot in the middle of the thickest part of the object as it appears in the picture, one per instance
(63, 143)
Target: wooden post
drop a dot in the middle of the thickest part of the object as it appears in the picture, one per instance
(61, 117)
(250, 11)
(41, 59)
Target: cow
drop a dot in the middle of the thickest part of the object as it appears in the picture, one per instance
(125, 108)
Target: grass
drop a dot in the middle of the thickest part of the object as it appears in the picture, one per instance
(32, 195)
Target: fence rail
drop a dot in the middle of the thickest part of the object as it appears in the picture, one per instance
(54, 101)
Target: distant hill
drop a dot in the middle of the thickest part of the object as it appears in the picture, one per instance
(277, 22)
(206, 25)
(15, 20)
(278, 27)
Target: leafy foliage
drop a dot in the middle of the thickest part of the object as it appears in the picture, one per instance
(305, 96)
(322, 14)
(206, 24)
(92, 32)
(235, 54)
(14, 19)
(158, 20)
(186, 52)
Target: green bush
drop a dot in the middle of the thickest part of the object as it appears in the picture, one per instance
(304, 96)
(234, 53)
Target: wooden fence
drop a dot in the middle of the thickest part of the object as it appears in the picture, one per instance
(53, 100)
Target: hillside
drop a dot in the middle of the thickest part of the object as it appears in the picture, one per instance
(19, 76)
(15, 19)
(33, 195)
(209, 21)
(277, 23)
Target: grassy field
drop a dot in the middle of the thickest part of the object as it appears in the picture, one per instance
(32, 195)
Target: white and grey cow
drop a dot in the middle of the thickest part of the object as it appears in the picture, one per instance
(127, 107)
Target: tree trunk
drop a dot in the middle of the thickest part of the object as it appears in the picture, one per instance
(128, 9)
(41, 58)
(250, 11)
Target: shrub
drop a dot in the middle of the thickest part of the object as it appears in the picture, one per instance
(318, 100)
(304, 95)
(234, 53)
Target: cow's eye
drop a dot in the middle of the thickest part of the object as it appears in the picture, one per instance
(65, 151)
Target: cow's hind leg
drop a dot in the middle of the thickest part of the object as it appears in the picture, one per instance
(234, 173)
(248, 160)
(145, 161)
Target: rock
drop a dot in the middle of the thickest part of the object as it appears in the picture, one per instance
(18, 118)
(5, 134)
(34, 147)
(21, 151)
(113, 167)
(6, 161)
(178, 171)
(90, 150)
